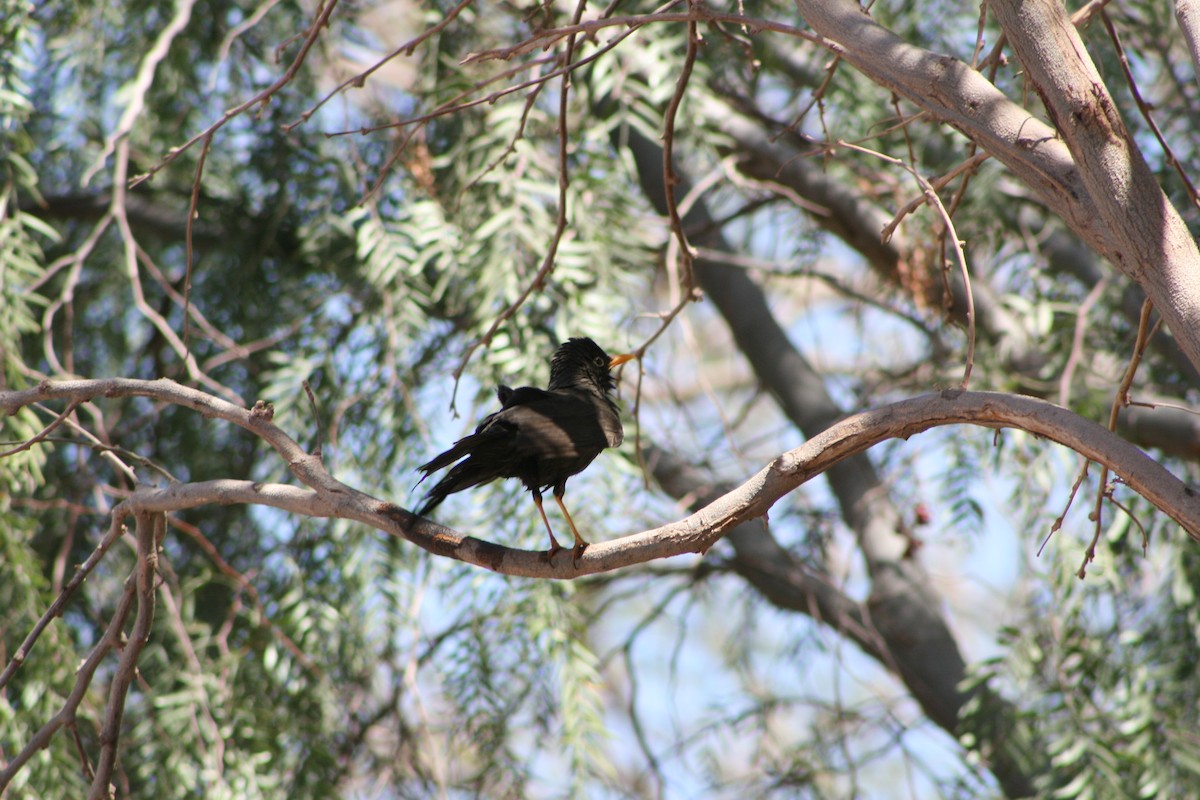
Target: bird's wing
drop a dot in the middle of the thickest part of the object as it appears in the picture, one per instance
(555, 426)
(542, 437)
(494, 433)
(522, 395)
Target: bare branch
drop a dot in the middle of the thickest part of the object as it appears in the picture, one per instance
(56, 608)
(148, 528)
(560, 225)
(324, 10)
(930, 196)
(405, 49)
(957, 94)
(694, 534)
(83, 679)
(686, 280)
(46, 431)
(141, 84)
(1147, 239)
(1187, 14)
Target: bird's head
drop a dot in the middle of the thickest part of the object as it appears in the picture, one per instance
(582, 364)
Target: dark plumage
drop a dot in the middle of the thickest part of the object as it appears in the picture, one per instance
(539, 436)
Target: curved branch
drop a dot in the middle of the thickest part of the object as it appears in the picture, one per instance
(328, 497)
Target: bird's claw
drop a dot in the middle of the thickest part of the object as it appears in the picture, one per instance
(550, 553)
(577, 552)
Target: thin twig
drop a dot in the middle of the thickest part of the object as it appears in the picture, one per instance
(60, 603)
(530, 101)
(246, 585)
(931, 196)
(670, 179)
(131, 269)
(830, 280)
(1157, 404)
(818, 96)
(560, 227)
(312, 404)
(1144, 108)
(234, 32)
(1058, 522)
(1134, 520)
(83, 680)
(1119, 400)
(232, 349)
(407, 49)
(456, 104)
(110, 731)
(140, 86)
(695, 13)
(46, 431)
(66, 297)
(967, 166)
(203, 720)
(187, 238)
(1085, 308)
(324, 10)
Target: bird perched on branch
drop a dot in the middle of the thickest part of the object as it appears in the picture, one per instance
(540, 436)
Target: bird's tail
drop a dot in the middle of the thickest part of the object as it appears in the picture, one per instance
(433, 499)
(461, 448)
(463, 476)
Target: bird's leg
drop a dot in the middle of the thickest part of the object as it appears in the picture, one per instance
(580, 544)
(554, 545)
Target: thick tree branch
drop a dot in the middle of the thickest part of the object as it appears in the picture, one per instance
(327, 497)
(1187, 13)
(963, 98)
(1150, 242)
(697, 532)
(767, 155)
(1096, 179)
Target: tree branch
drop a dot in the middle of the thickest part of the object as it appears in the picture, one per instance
(1096, 179)
(963, 98)
(696, 533)
(83, 679)
(1187, 14)
(1149, 240)
(148, 528)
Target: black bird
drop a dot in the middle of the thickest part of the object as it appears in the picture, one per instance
(540, 436)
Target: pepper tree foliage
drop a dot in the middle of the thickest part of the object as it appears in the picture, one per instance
(311, 657)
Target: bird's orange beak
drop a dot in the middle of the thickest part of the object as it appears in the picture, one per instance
(621, 359)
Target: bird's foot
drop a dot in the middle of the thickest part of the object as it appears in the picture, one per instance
(550, 553)
(577, 552)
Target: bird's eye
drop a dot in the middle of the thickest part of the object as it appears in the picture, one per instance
(600, 361)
